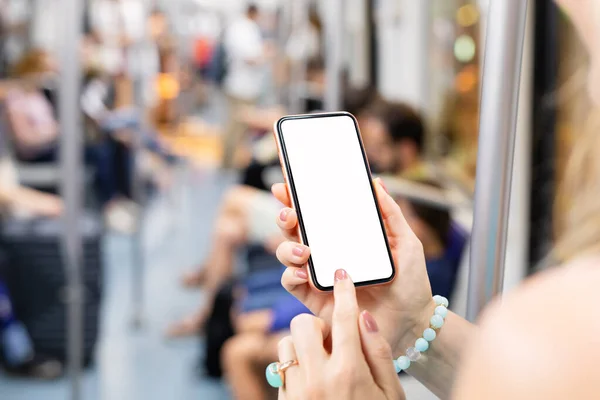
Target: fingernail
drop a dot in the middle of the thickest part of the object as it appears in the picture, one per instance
(383, 185)
(283, 214)
(340, 275)
(298, 251)
(370, 322)
(300, 273)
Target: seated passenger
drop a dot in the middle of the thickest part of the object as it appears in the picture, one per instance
(394, 136)
(34, 127)
(432, 225)
(17, 200)
(246, 355)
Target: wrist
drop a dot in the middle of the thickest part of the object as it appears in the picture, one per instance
(415, 330)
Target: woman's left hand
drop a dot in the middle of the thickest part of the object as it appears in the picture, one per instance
(357, 364)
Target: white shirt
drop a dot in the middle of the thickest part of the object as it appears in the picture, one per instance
(92, 99)
(106, 20)
(243, 44)
(303, 44)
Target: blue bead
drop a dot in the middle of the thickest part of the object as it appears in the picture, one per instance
(397, 366)
(272, 375)
(436, 321)
(440, 300)
(421, 345)
(441, 311)
(429, 334)
(403, 363)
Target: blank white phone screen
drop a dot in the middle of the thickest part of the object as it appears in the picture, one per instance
(335, 199)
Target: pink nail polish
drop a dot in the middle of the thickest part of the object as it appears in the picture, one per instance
(283, 214)
(298, 251)
(370, 322)
(300, 273)
(340, 275)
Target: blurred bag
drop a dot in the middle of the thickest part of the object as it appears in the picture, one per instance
(219, 328)
(38, 285)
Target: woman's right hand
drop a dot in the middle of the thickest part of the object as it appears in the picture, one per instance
(402, 307)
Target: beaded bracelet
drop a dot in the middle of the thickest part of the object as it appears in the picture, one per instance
(422, 343)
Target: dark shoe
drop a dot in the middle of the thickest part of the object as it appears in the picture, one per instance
(39, 367)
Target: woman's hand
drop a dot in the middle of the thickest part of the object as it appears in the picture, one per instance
(402, 307)
(359, 363)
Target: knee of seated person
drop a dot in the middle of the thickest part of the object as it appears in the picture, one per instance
(230, 229)
(237, 197)
(240, 349)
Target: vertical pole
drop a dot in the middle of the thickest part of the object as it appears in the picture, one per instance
(497, 129)
(298, 67)
(335, 20)
(71, 185)
(139, 197)
(282, 38)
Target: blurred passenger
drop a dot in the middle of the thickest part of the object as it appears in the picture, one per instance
(17, 200)
(246, 355)
(106, 22)
(394, 135)
(31, 117)
(244, 52)
(304, 43)
(167, 85)
(433, 226)
(141, 53)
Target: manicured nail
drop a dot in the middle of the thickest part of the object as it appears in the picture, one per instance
(300, 273)
(284, 214)
(298, 251)
(340, 275)
(370, 322)
(383, 185)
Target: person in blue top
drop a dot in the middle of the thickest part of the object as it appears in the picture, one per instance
(443, 241)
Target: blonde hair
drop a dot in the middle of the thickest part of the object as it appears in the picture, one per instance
(577, 203)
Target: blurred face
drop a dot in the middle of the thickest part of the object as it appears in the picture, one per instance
(378, 145)
(585, 15)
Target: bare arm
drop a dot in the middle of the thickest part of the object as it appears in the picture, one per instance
(541, 343)
(31, 201)
(437, 367)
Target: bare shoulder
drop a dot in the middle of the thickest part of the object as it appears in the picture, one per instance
(541, 341)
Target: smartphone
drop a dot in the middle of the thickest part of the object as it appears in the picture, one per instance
(329, 181)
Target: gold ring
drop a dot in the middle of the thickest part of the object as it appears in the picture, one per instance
(282, 367)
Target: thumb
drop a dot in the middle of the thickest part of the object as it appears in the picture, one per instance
(395, 223)
(378, 354)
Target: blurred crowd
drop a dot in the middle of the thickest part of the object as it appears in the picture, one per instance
(133, 80)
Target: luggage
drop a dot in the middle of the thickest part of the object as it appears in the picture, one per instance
(37, 281)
